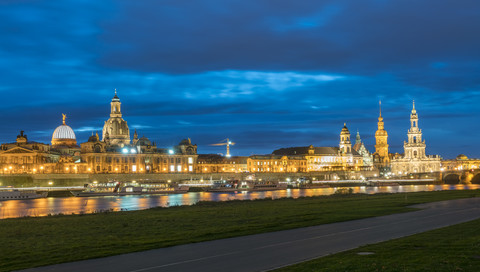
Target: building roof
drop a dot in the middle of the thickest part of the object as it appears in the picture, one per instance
(63, 132)
(323, 150)
(215, 158)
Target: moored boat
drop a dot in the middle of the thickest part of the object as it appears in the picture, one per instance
(14, 194)
(249, 186)
(130, 190)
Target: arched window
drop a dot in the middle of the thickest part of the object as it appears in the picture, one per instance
(415, 153)
(414, 139)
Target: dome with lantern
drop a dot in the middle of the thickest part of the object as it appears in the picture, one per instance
(64, 135)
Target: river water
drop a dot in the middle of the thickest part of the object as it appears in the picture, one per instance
(76, 205)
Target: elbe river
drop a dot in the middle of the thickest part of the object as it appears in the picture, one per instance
(77, 205)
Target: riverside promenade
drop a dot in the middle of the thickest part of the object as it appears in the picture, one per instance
(263, 252)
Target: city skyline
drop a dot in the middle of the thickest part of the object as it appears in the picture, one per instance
(265, 76)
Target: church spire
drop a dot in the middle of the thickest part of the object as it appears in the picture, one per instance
(115, 106)
(381, 142)
(380, 106)
(358, 140)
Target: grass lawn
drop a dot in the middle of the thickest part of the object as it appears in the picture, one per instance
(454, 248)
(30, 242)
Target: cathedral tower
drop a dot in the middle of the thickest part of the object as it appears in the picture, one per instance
(115, 130)
(381, 141)
(414, 159)
(415, 147)
(345, 143)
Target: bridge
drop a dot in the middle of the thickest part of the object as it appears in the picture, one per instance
(470, 176)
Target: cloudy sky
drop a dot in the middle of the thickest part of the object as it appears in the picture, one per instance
(266, 74)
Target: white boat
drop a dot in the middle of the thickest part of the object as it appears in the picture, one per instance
(132, 190)
(14, 194)
(247, 186)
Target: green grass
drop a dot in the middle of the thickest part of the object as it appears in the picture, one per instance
(30, 242)
(454, 248)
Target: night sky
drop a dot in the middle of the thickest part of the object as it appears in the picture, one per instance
(266, 74)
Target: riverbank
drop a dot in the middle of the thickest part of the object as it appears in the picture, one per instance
(55, 239)
(454, 248)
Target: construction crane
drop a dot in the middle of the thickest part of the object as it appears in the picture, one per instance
(226, 142)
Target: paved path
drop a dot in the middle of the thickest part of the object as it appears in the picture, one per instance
(276, 249)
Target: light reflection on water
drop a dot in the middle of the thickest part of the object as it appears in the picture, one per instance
(69, 205)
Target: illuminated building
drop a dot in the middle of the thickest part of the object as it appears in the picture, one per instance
(362, 150)
(414, 159)
(143, 157)
(115, 130)
(115, 154)
(213, 163)
(277, 163)
(64, 135)
(24, 156)
(461, 162)
(310, 158)
(381, 157)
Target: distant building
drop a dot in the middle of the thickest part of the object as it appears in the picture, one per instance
(115, 153)
(381, 157)
(461, 162)
(213, 163)
(24, 156)
(115, 131)
(362, 150)
(414, 159)
(310, 158)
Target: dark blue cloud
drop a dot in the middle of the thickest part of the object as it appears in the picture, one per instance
(266, 74)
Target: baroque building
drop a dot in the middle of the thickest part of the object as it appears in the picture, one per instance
(362, 150)
(213, 163)
(310, 158)
(113, 154)
(24, 156)
(381, 157)
(461, 162)
(115, 130)
(414, 159)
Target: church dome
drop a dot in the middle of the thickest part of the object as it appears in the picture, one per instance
(144, 141)
(115, 131)
(345, 130)
(64, 135)
(63, 132)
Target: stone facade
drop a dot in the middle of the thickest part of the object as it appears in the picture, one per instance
(461, 162)
(115, 130)
(414, 159)
(213, 163)
(381, 157)
(362, 150)
(311, 159)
